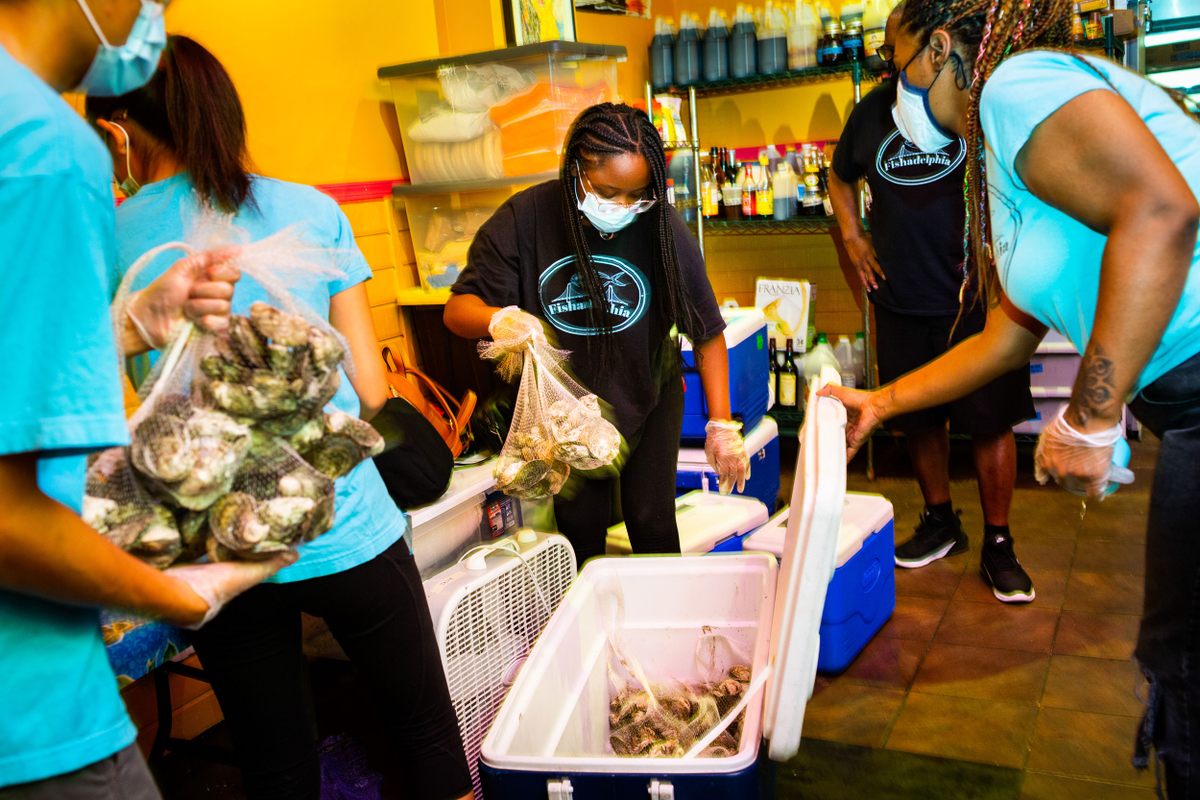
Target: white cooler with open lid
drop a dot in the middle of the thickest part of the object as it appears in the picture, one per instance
(550, 738)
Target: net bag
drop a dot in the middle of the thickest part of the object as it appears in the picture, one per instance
(232, 443)
(557, 424)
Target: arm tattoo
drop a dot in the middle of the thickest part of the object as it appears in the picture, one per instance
(1095, 386)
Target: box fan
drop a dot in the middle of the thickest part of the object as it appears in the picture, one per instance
(487, 611)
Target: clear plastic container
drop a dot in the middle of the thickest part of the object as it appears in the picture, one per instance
(499, 113)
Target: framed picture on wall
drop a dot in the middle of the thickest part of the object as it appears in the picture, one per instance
(632, 8)
(530, 21)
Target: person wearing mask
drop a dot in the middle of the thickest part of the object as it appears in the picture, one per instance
(913, 266)
(64, 732)
(603, 263)
(1082, 208)
(179, 146)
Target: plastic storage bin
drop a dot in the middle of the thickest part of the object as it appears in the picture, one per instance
(708, 522)
(749, 370)
(550, 738)
(862, 592)
(762, 445)
(482, 115)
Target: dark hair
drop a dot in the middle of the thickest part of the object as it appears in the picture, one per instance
(602, 131)
(192, 108)
(993, 30)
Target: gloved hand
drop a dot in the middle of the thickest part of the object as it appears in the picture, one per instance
(726, 453)
(218, 583)
(511, 328)
(197, 289)
(1081, 462)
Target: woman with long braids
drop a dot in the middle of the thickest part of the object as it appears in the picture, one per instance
(1082, 209)
(600, 260)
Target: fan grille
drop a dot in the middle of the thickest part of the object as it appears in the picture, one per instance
(492, 629)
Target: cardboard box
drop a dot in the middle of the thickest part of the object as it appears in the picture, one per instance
(1173, 56)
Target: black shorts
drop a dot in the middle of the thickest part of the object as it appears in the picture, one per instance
(904, 342)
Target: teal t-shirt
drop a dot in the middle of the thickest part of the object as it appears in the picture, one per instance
(366, 521)
(59, 705)
(1048, 262)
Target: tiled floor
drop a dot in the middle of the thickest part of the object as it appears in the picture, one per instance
(1049, 688)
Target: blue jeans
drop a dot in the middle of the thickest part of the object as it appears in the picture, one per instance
(1168, 646)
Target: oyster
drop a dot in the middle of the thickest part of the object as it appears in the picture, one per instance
(359, 431)
(146, 531)
(223, 369)
(334, 455)
(265, 396)
(279, 326)
(327, 351)
(193, 533)
(162, 447)
(235, 524)
(307, 435)
(96, 511)
(283, 513)
(247, 347)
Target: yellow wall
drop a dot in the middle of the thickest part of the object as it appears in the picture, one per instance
(306, 73)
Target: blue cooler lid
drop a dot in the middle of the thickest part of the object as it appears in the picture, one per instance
(810, 551)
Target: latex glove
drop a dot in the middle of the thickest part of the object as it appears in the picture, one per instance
(1082, 463)
(217, 584)
(862, 415)
(197, 289)
(726, 453)
(511, 328)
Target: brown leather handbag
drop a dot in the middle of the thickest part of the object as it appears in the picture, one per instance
(451, 418)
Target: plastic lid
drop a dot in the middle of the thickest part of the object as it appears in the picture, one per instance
(818, 494)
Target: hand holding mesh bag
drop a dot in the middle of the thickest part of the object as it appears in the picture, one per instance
(557, 424)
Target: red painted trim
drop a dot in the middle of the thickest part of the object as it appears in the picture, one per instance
(358, 192)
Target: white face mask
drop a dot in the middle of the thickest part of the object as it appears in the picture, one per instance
(119, 70)
(914, 118)
(606, 216)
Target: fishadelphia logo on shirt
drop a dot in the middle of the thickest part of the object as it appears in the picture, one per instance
(901, 162)
(566, 304)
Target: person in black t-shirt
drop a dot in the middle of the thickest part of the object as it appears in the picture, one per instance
(913, 267)
(603, 265)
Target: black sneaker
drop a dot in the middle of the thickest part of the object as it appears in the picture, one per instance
(1000, 569)
(936, 537)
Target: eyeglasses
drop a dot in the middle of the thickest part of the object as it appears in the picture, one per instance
(886, 52)
(637, 207)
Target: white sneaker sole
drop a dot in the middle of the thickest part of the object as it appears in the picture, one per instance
(1012, 597)
(941, 552)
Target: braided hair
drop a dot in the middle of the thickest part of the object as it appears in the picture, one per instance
(994, 29)
(598, 133)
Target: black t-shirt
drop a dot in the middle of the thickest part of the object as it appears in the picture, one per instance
(522, 256)
(917, 208)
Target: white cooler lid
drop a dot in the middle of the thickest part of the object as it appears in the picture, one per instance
(704, 519)
(810, 550)
(862, 515)
(466, 484)
(741, 323)
(757, 439)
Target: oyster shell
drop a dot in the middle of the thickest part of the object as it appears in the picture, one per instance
(162, 447)
(279, 326)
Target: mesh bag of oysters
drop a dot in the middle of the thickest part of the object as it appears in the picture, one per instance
(233, 451)
(673, 718)
(557, 425)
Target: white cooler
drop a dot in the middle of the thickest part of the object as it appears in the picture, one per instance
(707, 521)
(441, 531)
(550, 738)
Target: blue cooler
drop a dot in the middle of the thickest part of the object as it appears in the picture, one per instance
(749, 373)
(762, 445)
(862, 593)
(708, 523)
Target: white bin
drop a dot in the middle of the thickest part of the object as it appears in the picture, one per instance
(551, 734)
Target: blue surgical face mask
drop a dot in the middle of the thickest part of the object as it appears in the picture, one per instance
(914, 117)
(129, 186)
(120, 70)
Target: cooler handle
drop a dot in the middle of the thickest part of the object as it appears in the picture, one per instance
(559, 789)
(661, 790)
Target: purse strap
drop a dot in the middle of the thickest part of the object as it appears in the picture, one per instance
(449, 406)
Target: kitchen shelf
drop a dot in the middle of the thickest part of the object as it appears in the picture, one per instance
(780, 80)
(671, 146)
(489, 184)
(744, 227)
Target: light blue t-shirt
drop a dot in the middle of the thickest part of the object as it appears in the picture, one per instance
(59, 705)
(366, 521)
(1048, 262)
